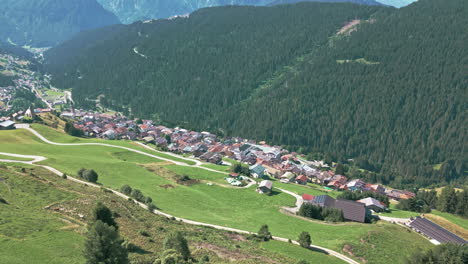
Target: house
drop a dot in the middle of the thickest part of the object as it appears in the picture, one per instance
(148, 139)
(7, 125)
(265, 187)
(257, 171)
(352, 211)
(373, 204)
(436, 233)
(356, 185)
(377, 188)
(212, 157)
(301, 179)
(307, 198)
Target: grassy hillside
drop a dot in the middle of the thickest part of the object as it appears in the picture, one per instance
(28, 232)
(44, 213)
(216, 204)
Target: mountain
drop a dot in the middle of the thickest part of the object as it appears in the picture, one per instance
(396, 3)
(361, 2)
(376, 87)
(45, 23)
(130, 11)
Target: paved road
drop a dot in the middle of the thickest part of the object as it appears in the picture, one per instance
(299, 200)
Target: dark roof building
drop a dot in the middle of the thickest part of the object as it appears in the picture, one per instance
(434, 231)
(352, 211)
(324, 201)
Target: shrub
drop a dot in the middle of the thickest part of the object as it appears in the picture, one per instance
(138, 195)
(126, 189)
(64, 176)
(178, 243)
(3, 201)
(305, 240)
(264, 234)
(144, 233)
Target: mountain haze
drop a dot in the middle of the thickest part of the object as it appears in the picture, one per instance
(45, 23)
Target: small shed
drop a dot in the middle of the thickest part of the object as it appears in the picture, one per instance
(265, 187)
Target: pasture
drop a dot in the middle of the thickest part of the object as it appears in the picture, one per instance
(238, 208)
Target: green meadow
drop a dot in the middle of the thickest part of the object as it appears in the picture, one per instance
(238, 208)
(29, 234)
(50, 236)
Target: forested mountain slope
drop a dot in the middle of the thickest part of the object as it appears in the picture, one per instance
(130, 11)
(362, 2)
(44, 23)
(391, 95)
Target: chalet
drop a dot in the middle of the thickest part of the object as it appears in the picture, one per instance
(257, 171)
(356, 185)
(148, 139)
(265, 187)
(377, 188)
(212, 157)
(301, 179)
(160, 141)
(373, 204)
(7, 125)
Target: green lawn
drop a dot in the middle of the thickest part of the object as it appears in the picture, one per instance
(5, 157)
(64, 138)
(217, 167)
(300, 253)
(237, 208)
(394, 212)
(197, 173)
(463, 222)
(29, 234)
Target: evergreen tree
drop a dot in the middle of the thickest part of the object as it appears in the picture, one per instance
(340, 169)
(264, 234)
(305, 240)
(178, 243)
(104, 245)
(104, 214)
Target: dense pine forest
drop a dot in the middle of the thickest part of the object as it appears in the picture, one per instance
(388, 96)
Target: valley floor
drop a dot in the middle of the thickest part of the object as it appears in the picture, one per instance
(215, 204)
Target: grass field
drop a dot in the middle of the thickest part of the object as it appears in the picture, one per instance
(56, 236)
(394, 212)
(5, 157)
(29, 234)
(460, 221)
(447, 224)
(60, 137)
(237, 208)
(217, 167)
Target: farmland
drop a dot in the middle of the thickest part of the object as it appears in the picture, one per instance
(236, 208)
(42, 217)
